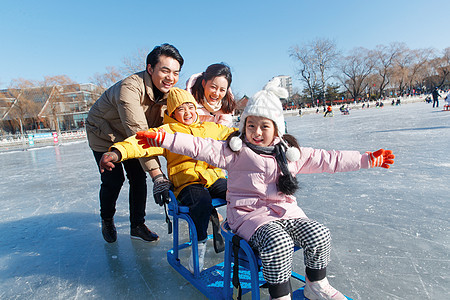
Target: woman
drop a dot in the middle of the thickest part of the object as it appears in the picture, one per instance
(211, 89)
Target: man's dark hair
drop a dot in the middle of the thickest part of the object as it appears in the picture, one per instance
(166, 50)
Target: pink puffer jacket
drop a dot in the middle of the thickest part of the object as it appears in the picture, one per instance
(253, 198)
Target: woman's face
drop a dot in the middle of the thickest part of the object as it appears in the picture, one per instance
(215, 89)
(259, 131)
(186, 113)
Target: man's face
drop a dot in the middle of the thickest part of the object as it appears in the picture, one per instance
(165, 73)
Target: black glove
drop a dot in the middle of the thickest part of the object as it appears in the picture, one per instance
(161, 187)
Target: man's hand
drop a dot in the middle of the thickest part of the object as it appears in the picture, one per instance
(108, 159)
(161, 187)
(150, 139)
(381, 158)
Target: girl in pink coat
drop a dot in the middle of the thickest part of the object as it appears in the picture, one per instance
(211, 89)
(262, 163)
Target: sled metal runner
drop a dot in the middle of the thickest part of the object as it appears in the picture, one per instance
(210, 281)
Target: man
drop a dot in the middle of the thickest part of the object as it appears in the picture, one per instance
(133, 104)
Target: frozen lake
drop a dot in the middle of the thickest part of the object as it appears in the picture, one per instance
(390, 228)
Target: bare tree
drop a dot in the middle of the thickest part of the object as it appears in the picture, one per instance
(54, 86)
(315, 61)
(402, 64)
(305, 70)
(130, 65)
(384, 58)
(107, 79)
(24, 108)
(418, 65)
(134, 63)
(373, 85)
(354, 69)
(440, 68)
(324, 57)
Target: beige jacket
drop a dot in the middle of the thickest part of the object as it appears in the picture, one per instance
(125, 108)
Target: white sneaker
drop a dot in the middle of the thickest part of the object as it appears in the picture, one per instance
(321, 290)
(201, 258)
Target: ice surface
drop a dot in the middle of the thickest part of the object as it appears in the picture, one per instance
(389, 227)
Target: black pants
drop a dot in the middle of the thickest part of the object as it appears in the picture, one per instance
(199, 200)
(435, 102)
(112, 182)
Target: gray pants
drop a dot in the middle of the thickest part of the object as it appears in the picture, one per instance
(275, 243)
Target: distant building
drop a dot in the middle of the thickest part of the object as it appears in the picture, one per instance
(286, 82)
(63, 107)
(240, 105)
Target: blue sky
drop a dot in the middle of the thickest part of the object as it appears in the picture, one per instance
(81, 38)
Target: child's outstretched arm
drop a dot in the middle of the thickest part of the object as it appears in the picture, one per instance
(108, 159)
(381, 158)
(150, 139)
(129, 148)
(320, 161)
(209, 150)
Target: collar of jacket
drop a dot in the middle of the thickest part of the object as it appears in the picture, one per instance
(149, 88)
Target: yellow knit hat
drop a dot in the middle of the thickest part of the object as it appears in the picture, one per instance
(177, 97)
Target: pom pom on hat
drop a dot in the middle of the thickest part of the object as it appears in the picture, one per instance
(292, 154)
(235, 143)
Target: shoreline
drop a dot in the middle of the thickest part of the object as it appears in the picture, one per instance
(386, 102)
(22, 144)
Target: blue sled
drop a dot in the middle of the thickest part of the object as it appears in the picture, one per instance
(211, 281)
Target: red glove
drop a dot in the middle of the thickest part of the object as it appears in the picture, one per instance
(381, 158)
(150, 139)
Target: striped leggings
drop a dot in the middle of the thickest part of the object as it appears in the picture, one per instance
(275, 243)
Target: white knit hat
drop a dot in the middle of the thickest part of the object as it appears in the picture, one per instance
(266, 103)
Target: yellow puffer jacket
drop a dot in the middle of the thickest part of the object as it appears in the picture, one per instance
(183, 170)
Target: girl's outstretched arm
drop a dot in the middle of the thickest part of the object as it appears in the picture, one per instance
(213, 152)
(332, 161)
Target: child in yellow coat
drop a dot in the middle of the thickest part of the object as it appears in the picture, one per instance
(195, 182)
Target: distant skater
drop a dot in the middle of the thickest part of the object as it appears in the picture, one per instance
(447, 102)
(329, 111)
(435, 94)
